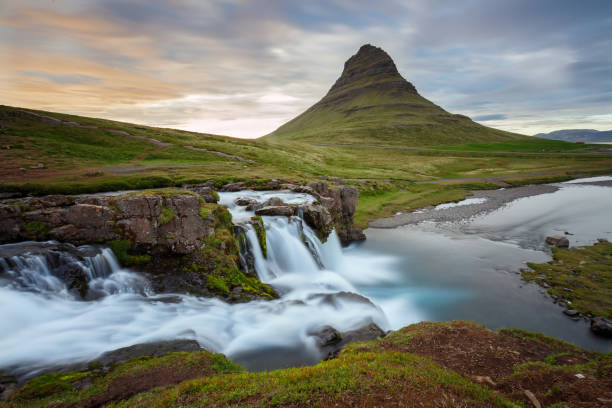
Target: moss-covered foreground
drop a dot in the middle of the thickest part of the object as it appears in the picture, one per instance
(582, 276)
(446, 364)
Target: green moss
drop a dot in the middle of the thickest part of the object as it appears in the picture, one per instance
(217, 284)
(586, 272)
(120, 249)
(166, 216)
(38, 230)
(61, 389)
(206, 209)
(345, 381)
(47, 384)
(260, 230)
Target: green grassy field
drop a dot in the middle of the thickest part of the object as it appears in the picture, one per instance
(85, 160)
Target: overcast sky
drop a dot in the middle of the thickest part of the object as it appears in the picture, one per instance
(244, 67)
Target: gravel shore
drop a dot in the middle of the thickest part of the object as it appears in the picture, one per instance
(494, 200)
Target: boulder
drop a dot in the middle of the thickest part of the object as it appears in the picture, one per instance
(330, 341)
(333, 299)
(245, 201)
(601, 326)
(154, 349)
(557, 241)
(318, 218)
(282, 210)
(571, 312)
(325, 336)
(273, 202)
(241, 185)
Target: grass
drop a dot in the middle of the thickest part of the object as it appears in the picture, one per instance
(166, 216)
(586, 272)
(533, 144)
(63, 388)
(383, 199)
(293, 161)
(394, 371)
(353, 377)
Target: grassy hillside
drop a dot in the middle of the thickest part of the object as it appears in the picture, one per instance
(102, 155)
(371, 103)
(449, 364)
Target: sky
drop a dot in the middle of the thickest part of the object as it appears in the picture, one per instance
(244, 67)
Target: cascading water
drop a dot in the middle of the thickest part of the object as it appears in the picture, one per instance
(65, 270)
(42, 314)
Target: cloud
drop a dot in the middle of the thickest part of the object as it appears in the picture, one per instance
(243, 68)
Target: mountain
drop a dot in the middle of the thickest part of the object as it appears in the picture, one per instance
(372, 103)
(579, 135)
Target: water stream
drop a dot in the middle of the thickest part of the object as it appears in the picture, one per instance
(397, 277)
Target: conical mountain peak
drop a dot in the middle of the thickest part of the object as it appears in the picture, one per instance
(372, 104)
(370, 64)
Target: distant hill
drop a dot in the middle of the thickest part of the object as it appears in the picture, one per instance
(371, 103)
(579, 135)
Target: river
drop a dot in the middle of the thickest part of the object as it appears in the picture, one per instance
(428, 271)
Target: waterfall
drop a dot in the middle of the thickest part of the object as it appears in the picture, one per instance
(41, 311)
(51, 268)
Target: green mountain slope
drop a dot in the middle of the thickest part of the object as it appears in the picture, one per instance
(371, 103)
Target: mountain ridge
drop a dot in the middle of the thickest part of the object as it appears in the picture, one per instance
(371, 102)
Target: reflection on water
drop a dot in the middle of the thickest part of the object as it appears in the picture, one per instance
(468, 271)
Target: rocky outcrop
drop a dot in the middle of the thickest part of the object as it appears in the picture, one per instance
(341, 203)
(168, 220)
(183, 243)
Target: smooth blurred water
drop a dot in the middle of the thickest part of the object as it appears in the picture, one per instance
(409, 274)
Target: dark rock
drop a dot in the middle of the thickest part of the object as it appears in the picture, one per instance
(154, 349)
(601, 240)
(318, 218)
(8, 384)
(273, 202)
(571, 312)
(333, 299)
(276, 210)
(206, 192)
(325, 336)
(557, 241)
(330, 342)
(241, 185)
(601, 326)
(244, 201)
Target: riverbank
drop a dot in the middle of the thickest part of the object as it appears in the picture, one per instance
(478, 203)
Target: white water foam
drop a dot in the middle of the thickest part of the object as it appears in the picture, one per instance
(43, 326)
